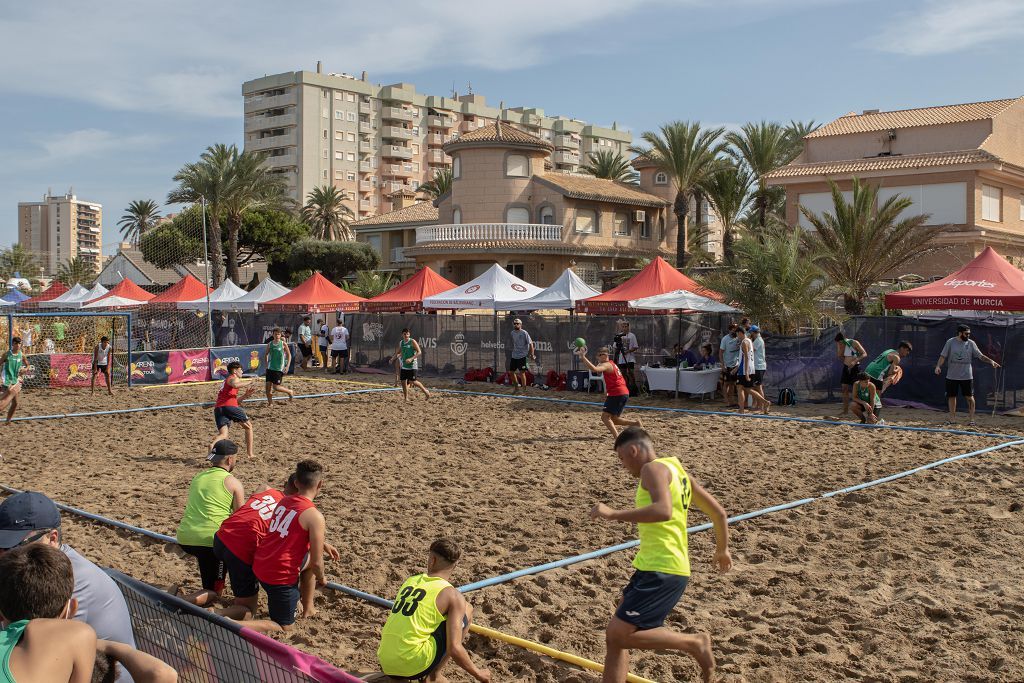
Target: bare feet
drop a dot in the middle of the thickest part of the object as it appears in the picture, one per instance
(427, 394)
(311, 612)
(705, 658)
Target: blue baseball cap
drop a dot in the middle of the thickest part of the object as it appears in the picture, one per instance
(23, 513)
(755, 328)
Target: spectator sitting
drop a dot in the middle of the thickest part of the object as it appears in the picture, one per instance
(707, 356)
(687, 355)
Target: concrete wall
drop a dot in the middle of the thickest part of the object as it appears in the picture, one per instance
(918, 140)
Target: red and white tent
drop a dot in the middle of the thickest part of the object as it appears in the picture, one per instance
(187, 288)
(658, 277)
(125, 294)
(988, 283)
(55, 289)
(484, 292)
(409, 295)
(316, 295)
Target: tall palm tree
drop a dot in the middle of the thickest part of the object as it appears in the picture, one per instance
(762, 147)
(859, 244)
(77, 270)
(439, 185)
(207, 179)
(140, 216)
(327, 215)
(728, 190)
(795, 133)
(250, 186)
(610, 166)
(19, 260)
(688, 154)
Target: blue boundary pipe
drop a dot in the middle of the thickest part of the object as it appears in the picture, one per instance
(784, 418)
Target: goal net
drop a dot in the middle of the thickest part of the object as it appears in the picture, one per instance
(59, 347)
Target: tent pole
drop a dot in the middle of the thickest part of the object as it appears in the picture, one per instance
(679, 343)
(996, 384)
(496, 343)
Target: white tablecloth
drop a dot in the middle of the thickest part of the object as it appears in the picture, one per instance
(690, 381)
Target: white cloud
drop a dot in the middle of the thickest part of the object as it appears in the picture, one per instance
(945, 26)
(89, 142)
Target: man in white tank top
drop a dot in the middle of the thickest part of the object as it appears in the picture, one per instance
(101, 360)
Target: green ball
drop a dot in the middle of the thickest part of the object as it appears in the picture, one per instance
(580, 342)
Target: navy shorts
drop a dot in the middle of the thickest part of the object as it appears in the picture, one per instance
(243, 581)
(274, 377)
(339, 353)
(517, 365)
(407, 374)
(963, 386)
(614, 405)
(281, 602)
(850, 373)
(758, 377)
(225, 415)
(650, 597)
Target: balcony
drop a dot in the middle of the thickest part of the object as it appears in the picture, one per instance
(364, 108)
(436, 156)
(489, 231)
(366, 186)
(395, 152)
(570, 158)
(396, 171)
(437, 139)
(280, 161)
(396, 114)
(398, 256)
(364, 205)
(467, 126)
(254, 104)
(396, 133)
(366, 166)
(566, 142)
(270, 142)
(440, 122)
(255, 123)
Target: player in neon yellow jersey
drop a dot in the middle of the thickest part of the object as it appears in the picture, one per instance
(662, 564)
(428, 623)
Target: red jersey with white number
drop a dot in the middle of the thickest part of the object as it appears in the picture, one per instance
(615, 383)
(243, 531)
(279, 557)
(227, 396)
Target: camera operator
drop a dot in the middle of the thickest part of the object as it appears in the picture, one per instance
(626, 347)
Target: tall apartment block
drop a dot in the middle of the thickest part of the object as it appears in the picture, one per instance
(373, 141)
(60, 228)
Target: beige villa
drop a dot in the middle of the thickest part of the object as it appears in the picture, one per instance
(963, 164)
(508, 206)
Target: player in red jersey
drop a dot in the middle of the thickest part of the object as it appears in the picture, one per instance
(293, 549)
(226, 410)
(615, 388)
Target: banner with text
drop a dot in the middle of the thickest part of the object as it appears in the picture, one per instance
(152, 367)
(188, 365)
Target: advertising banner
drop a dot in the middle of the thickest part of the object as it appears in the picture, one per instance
(70, 369)
(37, 371)
(251, 358)
(189, 365)
(151, 367)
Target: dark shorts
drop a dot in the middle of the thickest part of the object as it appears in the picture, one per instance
(729, 374)
(211, 569)
(407, 374)
(102, 368)
(963, 386)
(281, 602)
(758, 377)
(336, 353)
(440, 636)
(850, 374)
(649, 598)
(243, 581)
(323, 350)
(305, 349)
(614, 405)
(745, 381)
(225, 415)
(517, 364)
(274, 377)
(877, 382)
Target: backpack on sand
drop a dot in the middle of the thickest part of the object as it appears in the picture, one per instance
(787, 397)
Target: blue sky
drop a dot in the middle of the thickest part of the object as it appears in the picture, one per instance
(112, 97)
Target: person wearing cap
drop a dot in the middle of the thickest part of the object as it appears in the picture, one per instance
(960, 351)
(31, 517)
(522, 346)
(12, 366)
(212, 496)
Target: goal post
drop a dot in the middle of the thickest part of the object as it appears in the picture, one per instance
(59, 346)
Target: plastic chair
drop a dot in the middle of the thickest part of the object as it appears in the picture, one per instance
(594, 378)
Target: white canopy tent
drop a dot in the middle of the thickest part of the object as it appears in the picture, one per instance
(681, 300)
(563, 293)
(226, 293)
(76, 293)
(264, 291)
(485, 292)
(96, 292)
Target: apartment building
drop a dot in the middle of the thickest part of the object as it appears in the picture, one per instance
(60, 228)
(962, 164)
(373, 141)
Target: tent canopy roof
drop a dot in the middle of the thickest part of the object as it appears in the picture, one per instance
(228, 291)
(563, 293)
(55, 289)
(125, 289)
(409, 295)
(988, 283)
(681, 300)
(496, 284)
(658, 277)
(317, 293)
(187, 288)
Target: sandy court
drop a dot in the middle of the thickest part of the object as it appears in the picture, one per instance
(513, 482)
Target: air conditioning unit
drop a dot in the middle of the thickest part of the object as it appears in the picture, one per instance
(639, 216)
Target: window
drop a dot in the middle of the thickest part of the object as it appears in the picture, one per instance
(818, 203)
(517, 214)
(547, 215)
(415, 149)
(456, 216)
(351, 116)
(517, 269)
(337, 95)
(645, 228)
(944, 202)
(661, 178)
(350, 176)
(586, 220)
(338, 175)
(517, 165)
(351, 137)
(415, 130)
(351, 156)
(339, 114)
(325, 135)
(375, 242)
(340, 156)
(587, 271)
(323, 153)
(1021, 207)
(991, 203)
(456, 167)
(351, 97)
(339, 135)
(325, 112)
(325, 175)
(621, 223)
(415, 166)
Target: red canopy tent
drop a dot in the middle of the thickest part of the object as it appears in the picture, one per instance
(988, 283)
(186, 289)
(55, 289)
(658, 277)
(125, 289)
(409, 295)
(316, 295)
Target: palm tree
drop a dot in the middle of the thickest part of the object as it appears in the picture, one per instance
(17, 259)
(439, 185)
(610, 166)
(858, 244)
(77, 270)
(796, 131)
(140, 216)
(250, 186)
(207, 179)
(688, 154)
(369, 283)
(762, 147)
(327, 215)
(728, 190)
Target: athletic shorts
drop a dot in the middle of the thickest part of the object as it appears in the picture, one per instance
(729, 374)
(745, 381)
(850, 374)
(275, 377)
(649, 598)
(963, 386)
(758, 377)
(614, 405)
(517, 364)
(225, 415)
(305, 349)
(877, 382)
(102, 368)
(243, 581)
(323, 350)
(440, 636)
(407, 374)
(339, 353)
(281, 602)
(211, 569)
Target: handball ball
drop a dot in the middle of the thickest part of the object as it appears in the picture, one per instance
(580, 342)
